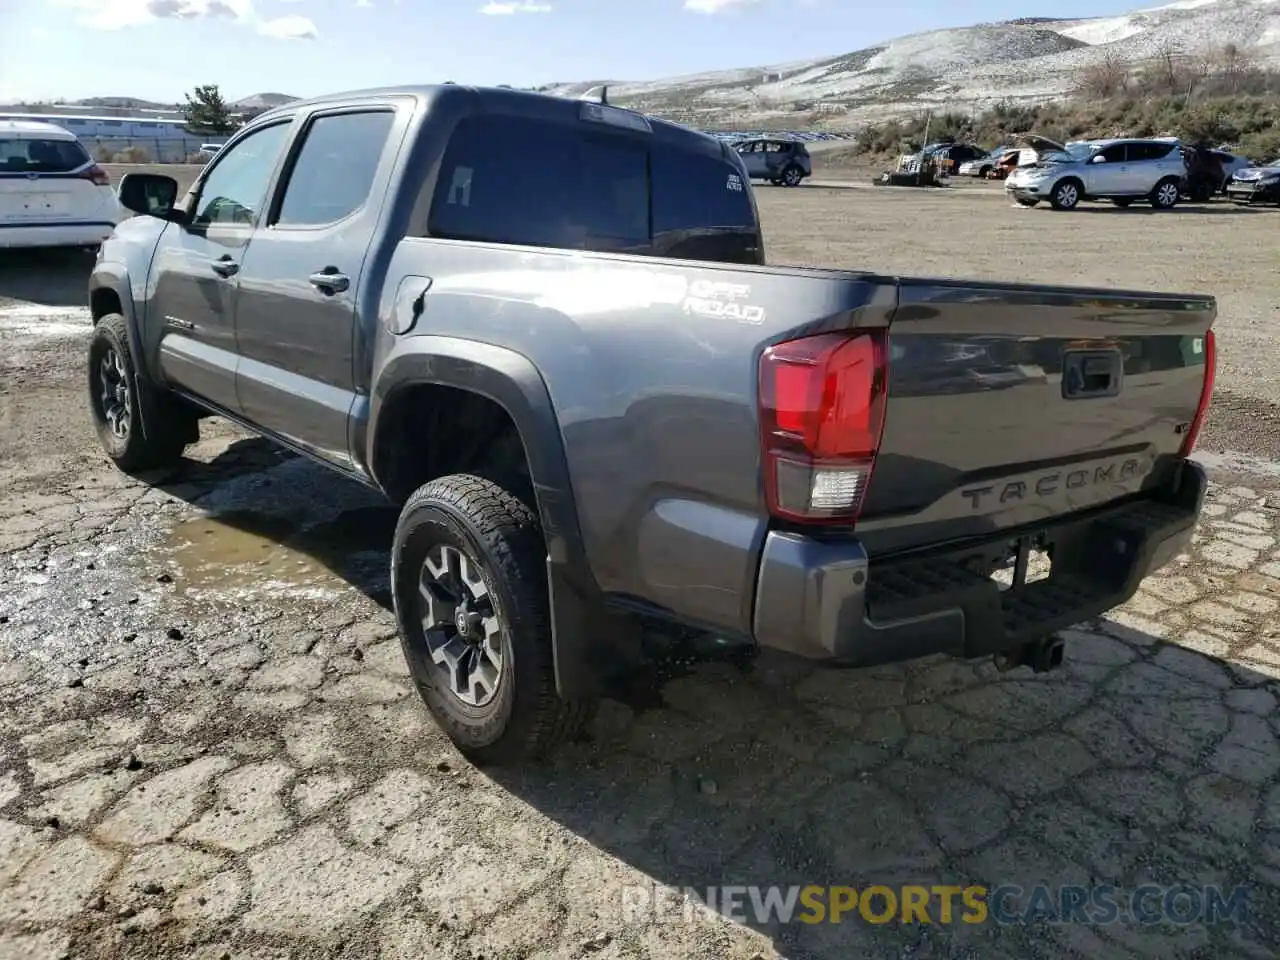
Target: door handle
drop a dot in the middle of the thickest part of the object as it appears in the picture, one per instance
(224, 266)
(329, 281)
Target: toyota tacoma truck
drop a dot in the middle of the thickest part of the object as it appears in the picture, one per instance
(613, 429)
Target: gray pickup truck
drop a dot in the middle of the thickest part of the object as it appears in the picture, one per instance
(613, 430)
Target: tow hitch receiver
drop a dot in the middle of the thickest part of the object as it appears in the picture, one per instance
(1040, 655)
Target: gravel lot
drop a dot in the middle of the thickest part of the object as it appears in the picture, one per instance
(209, 747)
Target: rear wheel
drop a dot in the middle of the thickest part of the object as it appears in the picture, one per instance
(792, 176)
(1065, 195)
(117, 392)
(470, 586)
(1165, 195)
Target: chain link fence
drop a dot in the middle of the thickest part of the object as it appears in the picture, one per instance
(144, 149)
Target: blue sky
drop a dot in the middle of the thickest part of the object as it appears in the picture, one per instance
(159, 48)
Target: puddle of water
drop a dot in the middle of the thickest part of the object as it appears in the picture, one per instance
(244, 553)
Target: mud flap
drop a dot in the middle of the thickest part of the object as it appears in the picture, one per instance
(590, 645)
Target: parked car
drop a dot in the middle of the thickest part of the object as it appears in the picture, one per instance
(52, 194)
(781, 162)
(984, 165)
(612, 428)
(1256, 184)
(1122, 171)
(208, 151)
(1232, 164)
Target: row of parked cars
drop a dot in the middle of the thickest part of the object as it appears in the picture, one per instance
(1161, 171)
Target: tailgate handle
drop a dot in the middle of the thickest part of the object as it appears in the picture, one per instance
(1092, 373)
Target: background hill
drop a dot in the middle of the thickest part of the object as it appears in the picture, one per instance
(1031, 60)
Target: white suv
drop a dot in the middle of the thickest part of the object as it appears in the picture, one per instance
(52, 194)
(1122, 171)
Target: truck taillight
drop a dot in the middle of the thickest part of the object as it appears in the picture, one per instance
(97, 175)
(822, 404)
(1206, 395)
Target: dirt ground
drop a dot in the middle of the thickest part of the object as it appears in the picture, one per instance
(209, 747)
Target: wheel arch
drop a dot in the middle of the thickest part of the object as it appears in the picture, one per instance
(109, 292)
(512, 382)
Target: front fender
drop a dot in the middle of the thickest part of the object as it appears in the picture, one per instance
(110, 290)
(512, 381)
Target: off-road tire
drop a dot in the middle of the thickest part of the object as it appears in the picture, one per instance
(494, 529)
(171, 423)
(1066, 194)
(1166, 194)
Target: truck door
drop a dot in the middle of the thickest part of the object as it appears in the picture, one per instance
(296, 320)
(196, 269)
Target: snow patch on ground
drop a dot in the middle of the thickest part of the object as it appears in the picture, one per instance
(43, 322)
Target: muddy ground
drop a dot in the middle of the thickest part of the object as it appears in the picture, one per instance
(209, 746)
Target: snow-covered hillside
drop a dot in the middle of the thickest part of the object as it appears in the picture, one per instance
(970, 68)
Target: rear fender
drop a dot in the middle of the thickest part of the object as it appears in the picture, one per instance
(590, 644)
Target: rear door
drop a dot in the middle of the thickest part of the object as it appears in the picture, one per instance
(47, 181)
(300, 279)
(1013, 405)
(196, 266)
(754, 159)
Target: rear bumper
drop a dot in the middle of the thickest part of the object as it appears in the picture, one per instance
(73, 234)
(826, 600)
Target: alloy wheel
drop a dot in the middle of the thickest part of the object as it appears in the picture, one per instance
(461, 626)
(113, 380)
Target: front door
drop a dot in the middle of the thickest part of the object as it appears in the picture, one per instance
(196, 268)
(296, 316)
(1109, 176)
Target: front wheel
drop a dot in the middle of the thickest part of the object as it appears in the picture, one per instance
(116, 393)
(792, 176)
(1165, 195)
(469, 580)
(1065, 196)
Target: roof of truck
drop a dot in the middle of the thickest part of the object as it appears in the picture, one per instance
(488, 97)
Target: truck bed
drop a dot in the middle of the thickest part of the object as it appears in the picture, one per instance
(652, 366)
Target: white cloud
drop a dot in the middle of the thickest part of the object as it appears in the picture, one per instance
(288, 28)
(498, 9)
(117, 14)
(717, 6)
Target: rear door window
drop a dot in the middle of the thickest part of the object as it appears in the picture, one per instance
(41, 156)
(512, 180)
(520, 181)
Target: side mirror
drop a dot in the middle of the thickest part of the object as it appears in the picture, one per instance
(1099, 159)
(150, 194)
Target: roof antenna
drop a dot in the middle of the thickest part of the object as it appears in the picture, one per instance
(598, 94)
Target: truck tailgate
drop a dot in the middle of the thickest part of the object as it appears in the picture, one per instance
(1010, 405)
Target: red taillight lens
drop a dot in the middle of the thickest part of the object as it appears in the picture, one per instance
(1206, 395)
(822, 404)
(96, 174)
